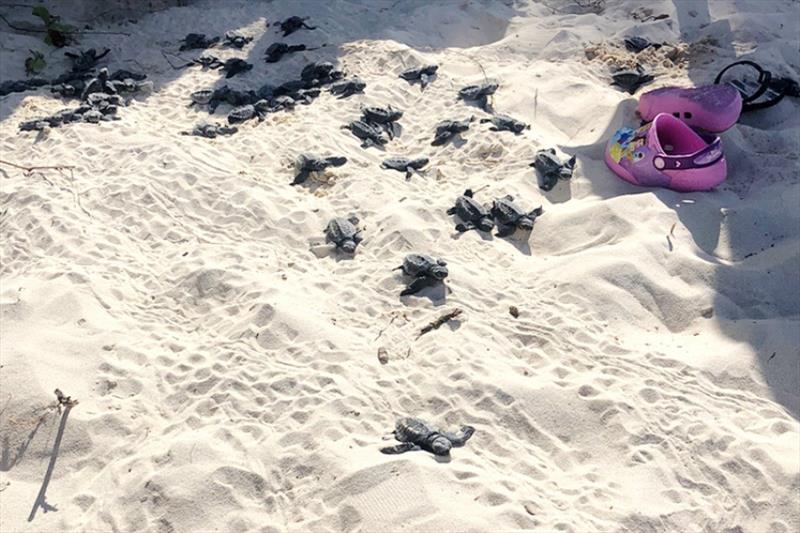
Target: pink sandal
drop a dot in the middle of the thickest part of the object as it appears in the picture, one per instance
(667, 153)
(713, 108)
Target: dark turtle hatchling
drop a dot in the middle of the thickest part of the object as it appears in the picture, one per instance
(448, 129)
(194, 41)
(210, 130)
(276, 51)
(292, 24)
(416, 434)
(551, 169)
(36, 124)
(320, 70)
(422, 74)
(405, 164)
(246, 112)
(100, 84)
(345, 88)
(510, 216)
(308, 163)
(473, 215)
(371, 135)
(201, 97)
(236, 40)
(86, 60)
(234, 66)
(207, 61)
(637, 44)
(384, 117)
(479, 93)
(631, 79)
(122, 74)
(344, 233)
(506, 123)
(425, 271)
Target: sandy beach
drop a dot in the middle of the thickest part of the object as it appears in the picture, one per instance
(235, 373)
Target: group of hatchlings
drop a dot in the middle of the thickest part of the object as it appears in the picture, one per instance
(375, 127)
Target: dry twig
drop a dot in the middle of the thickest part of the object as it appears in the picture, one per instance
(436, 324)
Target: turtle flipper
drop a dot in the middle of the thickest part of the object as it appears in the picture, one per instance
(417, 285)
(465, 227)
(505, 231)
(301, 177)
(451, 211)
(463, 435)
(399, 448)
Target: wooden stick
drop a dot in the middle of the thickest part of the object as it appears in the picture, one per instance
(436, 324)
(31, 169)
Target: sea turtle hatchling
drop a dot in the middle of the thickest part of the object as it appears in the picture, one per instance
(344, 233)
(631, 79)
(234, 66)
(194, 41)
(276, 51)
(425, 271)
(345, 88)
(308, 163)
(246, 112)
(416, 434)
(236, 40)
(383, 117)
(448, 129)
(210, 130)
(479, 93)
(551, 169)
(506, 123)
(473, 215)
(405, 164)
(86, 60)
(369, 134)
(422, 74)
(292, 24)
(510, 216)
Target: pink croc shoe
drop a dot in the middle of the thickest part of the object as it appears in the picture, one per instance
(667, 153)
(713, 108)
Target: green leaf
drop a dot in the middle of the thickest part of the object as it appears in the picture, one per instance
(35, 63)
(43, 14)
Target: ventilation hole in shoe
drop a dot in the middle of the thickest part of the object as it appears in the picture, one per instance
(687, 115)
(676, 115)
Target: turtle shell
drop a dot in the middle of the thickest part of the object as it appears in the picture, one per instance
(506, 211)
(242, 113)
(412, 430)
(468, 209)
(381, 114)
(546, 162)
(340, 229)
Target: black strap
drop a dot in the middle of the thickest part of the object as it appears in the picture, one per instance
(780, 87)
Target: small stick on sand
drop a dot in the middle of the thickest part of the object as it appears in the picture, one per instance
(31, 169)
(436, 324)
(64, 401)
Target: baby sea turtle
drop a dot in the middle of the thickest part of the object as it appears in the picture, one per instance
(422, 74)
(416, 434)
(207, 61)
(276, 51)
(405, 164)
(448, 129)
(292, 24)
(631, 79)
(320, 72)
(344, 233)
(236, 40)
(202, 97)
(210, 130)
(194, 41)
(246, 112)
(551, 169)
(345, 88)
(479, 93)
(506, 123)
(308, 163)
(510, 216)
(472, 214)
(18, 86)
(370, 134)
(637, 44)
(425, 270)
(86, 60)
(384, 117)
(234, 66)
(100, 84)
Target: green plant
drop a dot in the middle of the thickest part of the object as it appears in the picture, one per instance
(58, 33)
(35, 63)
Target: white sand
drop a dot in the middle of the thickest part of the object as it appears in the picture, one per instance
(228, 376)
